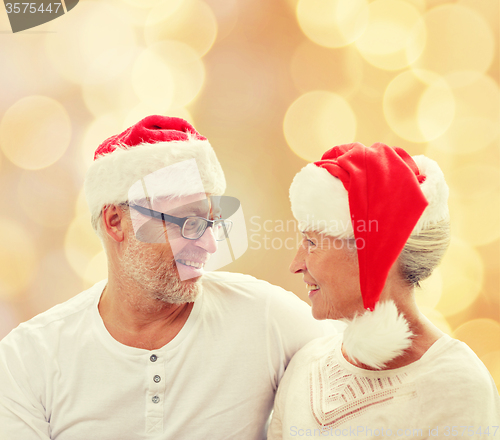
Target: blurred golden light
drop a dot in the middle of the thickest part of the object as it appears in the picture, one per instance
(133, 13)
(81, 244)
(389, 33)
(226, 13)
(436, 109)
(185, 74)
(420, 5)
(316, 122)
(81, 207)
(419, 110)
(43, 140)
(24, 70)
(292, 4)
(318, 68)
(96, 270)
(110, 65)
(4, 21)
(489, 11)
(191, 22)
(367, 104)
(492, 363)
(18, 259)
(243, 90)
(112, 96)
(146, 3)
(162, 11)
(475, 203)
(491, 260)
(92, 32)
(8, 319)
(97, 132)
(474, 180)
(42, 294)
(462, 273)
(449, 162)
(47, 196)
(333, 23)
(437, 319)
(154, 107)
(430, 291)
(477, 113)
(458, 39)
(152, 78)
(482, 335)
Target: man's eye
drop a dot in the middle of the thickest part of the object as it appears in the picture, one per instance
(191, 223)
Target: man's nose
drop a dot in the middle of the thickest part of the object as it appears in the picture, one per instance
(207, 241)
(298, 263)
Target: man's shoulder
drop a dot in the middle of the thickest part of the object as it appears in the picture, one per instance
(320, 347)
(244, 285)
(251, 295)
(60, 313)
(279, 305)
(236, 287)
(231, 278)
(317, 349)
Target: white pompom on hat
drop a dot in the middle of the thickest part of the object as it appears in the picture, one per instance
(153, 143)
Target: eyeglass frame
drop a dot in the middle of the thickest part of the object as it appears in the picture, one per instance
(181, 221)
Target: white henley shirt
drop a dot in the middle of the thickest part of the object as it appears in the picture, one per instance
(64, 377)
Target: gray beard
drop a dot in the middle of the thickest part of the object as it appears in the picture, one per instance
(152, 269)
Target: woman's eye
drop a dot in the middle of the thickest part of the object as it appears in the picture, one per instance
(310, 243)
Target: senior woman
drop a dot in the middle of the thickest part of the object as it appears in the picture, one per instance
(375, 223)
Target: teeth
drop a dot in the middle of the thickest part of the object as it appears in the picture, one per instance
(312, 287)
(191, 263)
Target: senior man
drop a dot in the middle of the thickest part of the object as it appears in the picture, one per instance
(156, 351)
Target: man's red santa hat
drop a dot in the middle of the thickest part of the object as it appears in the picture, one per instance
(153, 143)
(379, 196)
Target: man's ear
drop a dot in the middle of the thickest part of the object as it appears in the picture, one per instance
(114, 222)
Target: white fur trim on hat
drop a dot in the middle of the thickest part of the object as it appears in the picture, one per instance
(435, 191)
(176, 180)
(320, 202)
(375, 338)
(110, 177)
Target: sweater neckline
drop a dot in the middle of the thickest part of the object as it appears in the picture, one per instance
(430, 354)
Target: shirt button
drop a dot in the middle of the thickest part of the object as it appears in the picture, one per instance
(155, 399)
(153, 358)
(157, 378)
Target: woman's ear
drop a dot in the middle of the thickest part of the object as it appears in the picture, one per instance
(114, 222)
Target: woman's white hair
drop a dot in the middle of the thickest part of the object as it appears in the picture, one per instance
(424, 251)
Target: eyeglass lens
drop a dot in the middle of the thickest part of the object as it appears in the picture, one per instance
(195, 227)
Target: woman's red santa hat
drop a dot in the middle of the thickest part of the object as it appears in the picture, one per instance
(153, 143)
(379, 196)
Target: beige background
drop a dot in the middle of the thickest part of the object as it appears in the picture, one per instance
(272, 84)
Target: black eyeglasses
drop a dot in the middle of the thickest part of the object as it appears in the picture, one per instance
(192, 227)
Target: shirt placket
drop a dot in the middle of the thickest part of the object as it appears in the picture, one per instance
(155, 397)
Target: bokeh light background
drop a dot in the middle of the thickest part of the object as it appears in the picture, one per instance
(272, 85)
